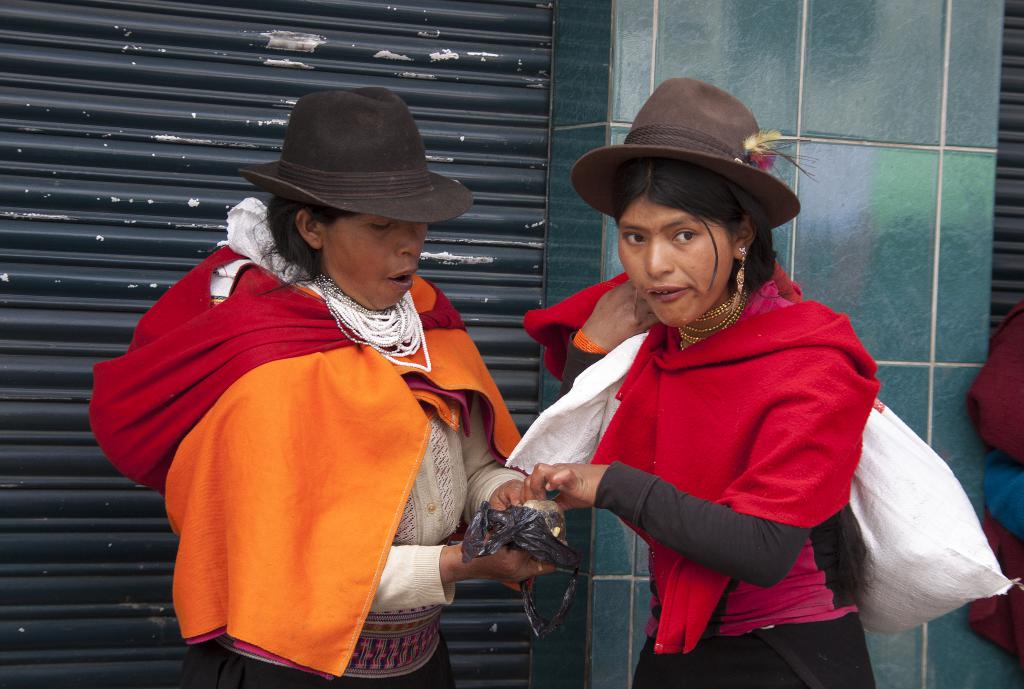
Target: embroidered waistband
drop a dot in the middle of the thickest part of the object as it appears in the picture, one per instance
(391, 644)
(396, 643)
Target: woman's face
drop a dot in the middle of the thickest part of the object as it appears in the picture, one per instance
(670, 256)
(371, 258)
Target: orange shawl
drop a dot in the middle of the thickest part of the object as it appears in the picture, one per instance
(288, 493)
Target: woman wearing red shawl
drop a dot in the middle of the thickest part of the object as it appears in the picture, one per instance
(317, 418)
(996, 406)
(740, 423)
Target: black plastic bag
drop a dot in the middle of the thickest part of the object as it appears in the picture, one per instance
(538, 533)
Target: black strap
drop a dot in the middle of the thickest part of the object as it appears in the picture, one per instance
(542, 627)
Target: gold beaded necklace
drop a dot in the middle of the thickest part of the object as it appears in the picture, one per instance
(690, 334)
(719, 310)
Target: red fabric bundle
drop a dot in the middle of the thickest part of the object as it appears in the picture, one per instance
(995, 403)
(1000, 619)
(186, 353)
(765, 417)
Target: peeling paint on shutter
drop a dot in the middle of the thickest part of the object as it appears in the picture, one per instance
(122, 125)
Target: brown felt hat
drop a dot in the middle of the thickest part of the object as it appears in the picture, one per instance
(359, 151)
(686, 119)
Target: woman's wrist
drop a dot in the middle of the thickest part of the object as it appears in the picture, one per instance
(603, 336)
(583, 343)
(451, 566)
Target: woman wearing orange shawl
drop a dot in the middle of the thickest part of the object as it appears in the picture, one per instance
(739, 429)
(318, 418)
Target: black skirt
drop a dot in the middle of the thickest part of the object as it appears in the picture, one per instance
(812, 655)
(211, 666)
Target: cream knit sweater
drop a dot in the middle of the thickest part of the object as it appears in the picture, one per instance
(457, 474)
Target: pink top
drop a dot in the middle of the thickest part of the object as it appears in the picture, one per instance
(764, 300)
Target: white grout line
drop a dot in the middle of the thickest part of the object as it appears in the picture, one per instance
(654, 44)
(926, 364)
(924, 656)
(604, 247)
(803, 64)
(935, 277)
(567, 127)
(612, 56)
(632, 632)
(969, 149)
(799, 129)
(857, 142)
(887, 144)
(588, 634)
(937, 241)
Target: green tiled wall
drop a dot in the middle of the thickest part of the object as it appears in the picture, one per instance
(974, 65)
(894, 106)
(582, 42)
(753, 47)
(873, 70)
(574, 260)
(864, 241)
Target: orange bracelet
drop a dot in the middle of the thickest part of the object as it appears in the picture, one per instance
(585, 344)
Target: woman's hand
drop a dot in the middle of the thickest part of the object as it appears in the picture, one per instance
(508, 494)
(576, 483)
(508, 565)
(619, 315)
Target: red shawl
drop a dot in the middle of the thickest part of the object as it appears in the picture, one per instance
(765, 417)
(996, 405)
(186, 353)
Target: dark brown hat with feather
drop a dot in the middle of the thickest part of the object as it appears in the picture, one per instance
(689, 120)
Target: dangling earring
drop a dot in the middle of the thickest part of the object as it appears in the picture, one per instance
(740, 275)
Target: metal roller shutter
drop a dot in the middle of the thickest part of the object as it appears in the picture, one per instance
(1008, 249)
(122, 125)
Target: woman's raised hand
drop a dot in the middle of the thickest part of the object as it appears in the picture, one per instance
(619, 315)
(510, 565)
(507, 494)
(576, 483)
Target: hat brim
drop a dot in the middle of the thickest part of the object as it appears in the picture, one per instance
(593, 177)
(445, 200)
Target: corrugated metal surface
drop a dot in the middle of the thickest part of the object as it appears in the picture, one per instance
(122, 125)
(1008, 254)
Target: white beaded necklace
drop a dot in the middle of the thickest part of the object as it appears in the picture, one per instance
(394, 332)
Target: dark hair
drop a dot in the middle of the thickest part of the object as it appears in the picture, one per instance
(705, 195)
(851, 553)
(288, 243)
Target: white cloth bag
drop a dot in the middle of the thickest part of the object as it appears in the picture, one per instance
(927, 554)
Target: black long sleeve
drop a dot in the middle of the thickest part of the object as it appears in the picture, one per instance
(758, 551)
(576, 361)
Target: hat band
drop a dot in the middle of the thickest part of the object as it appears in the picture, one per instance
(356, 185)
(676, 136)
